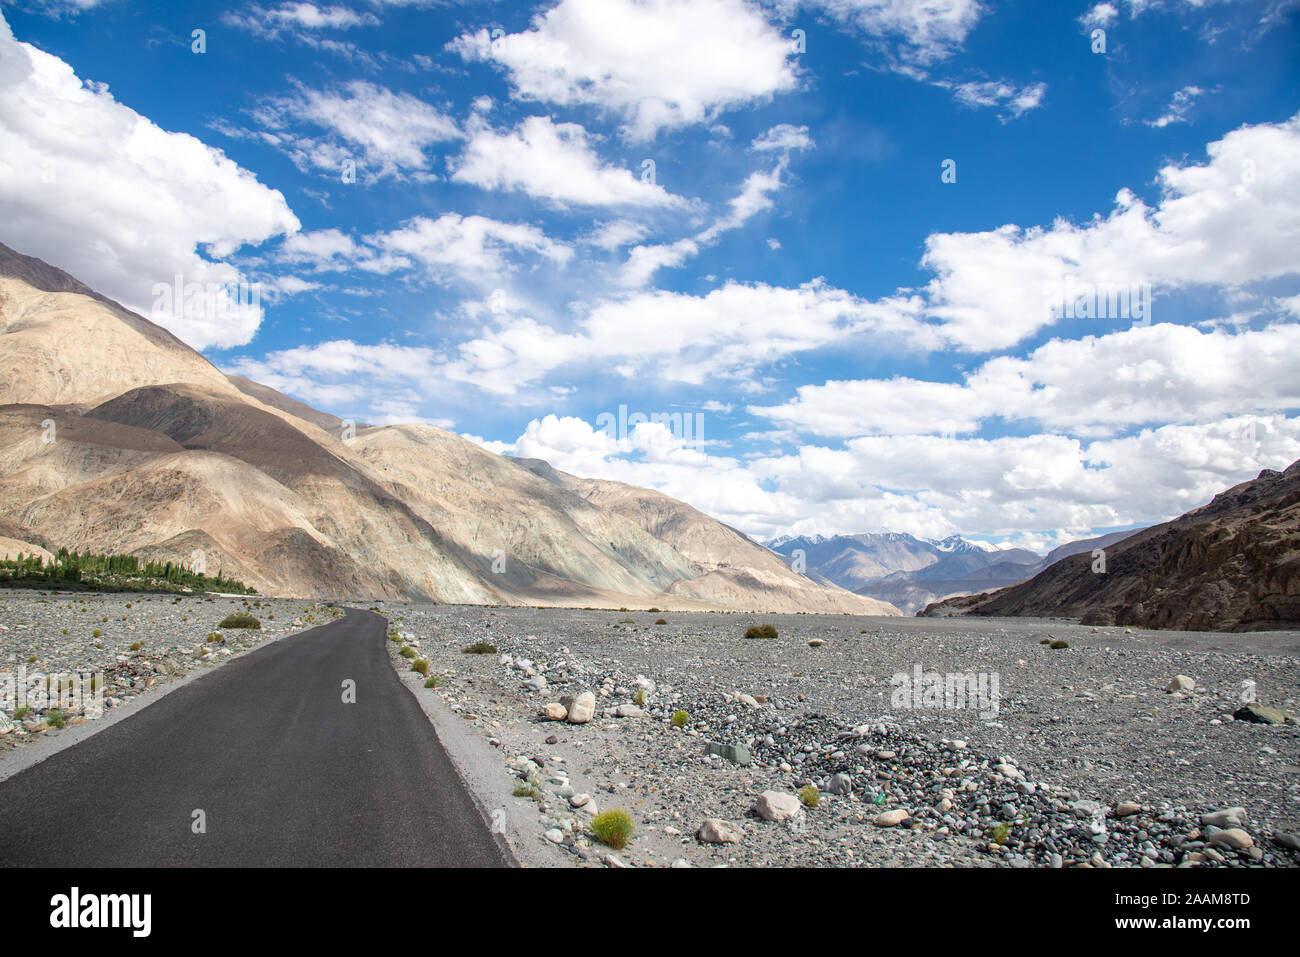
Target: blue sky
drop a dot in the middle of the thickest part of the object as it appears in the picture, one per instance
(510, 220)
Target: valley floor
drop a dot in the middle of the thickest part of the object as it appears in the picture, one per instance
(1088, 761)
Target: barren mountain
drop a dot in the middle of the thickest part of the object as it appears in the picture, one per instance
(1231, 565)
(117, 437)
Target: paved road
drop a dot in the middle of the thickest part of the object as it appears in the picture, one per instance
(285, 772)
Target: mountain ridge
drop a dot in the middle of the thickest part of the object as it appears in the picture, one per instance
(153, 450)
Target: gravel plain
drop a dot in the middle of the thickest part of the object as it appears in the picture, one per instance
(134, 642)
(1088, 761)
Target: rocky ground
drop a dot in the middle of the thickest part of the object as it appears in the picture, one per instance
(135, 642)
(1089, 761)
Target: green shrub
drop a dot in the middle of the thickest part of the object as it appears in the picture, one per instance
(680, 718)
(480, 648)
(810, 796)
(431, 682)
(523, 789)
(96, 634)
(420, 665)
(406, 651)
(613, 828)
(21, 712)
(216, 638)
(1046, 641)
(55, 718)
(239, 620)
(660, 621)
(639, 697)
(1000, 833)
(760, 631)
(135, 646)
(1059, 644)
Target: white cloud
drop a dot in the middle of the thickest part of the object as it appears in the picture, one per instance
(1099, 15)
(783, 137)
(658, 63)
(88, 184)
(1179, 106)
(932, 486)
(1227, 222)
(554, 162)
(269, 22)
(1099, 385)
(755, 196)
(474, 249)
(617, 234)
(466, 247)
(383, 133)
(1016, 101)
(929, 30)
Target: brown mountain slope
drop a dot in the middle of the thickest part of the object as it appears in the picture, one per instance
(115, 436)
(1231, 565)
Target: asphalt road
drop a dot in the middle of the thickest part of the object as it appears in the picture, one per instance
(285, 773)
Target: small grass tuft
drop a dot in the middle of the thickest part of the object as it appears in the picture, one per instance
(661, 621)
(680, 718)
(1059, 644)
(480, 648)
(1000, 833)
(431, 682)
(760, 631)
(406, 651)
(55, 718)
(810, 796)
(239, 620)
(420, 665)
(135, 646)
(613, 828)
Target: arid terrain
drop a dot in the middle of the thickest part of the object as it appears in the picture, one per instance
(1089, 759)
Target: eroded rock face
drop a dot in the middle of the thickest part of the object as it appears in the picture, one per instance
(1231, 565)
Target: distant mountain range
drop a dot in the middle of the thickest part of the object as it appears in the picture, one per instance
(117, 437)
(1230, 565)
(911, 572)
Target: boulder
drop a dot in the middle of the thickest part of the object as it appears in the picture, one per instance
(715, 831)
(777, 806)
(554, 711)
(1263, 714)
(581, 709)
(735, 753)
(1180, 683)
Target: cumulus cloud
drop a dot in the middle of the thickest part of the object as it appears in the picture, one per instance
(1230, 221)
(1035, 487)
(626, 57)
(1096, 385)
(90, 185)
(554, 162)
